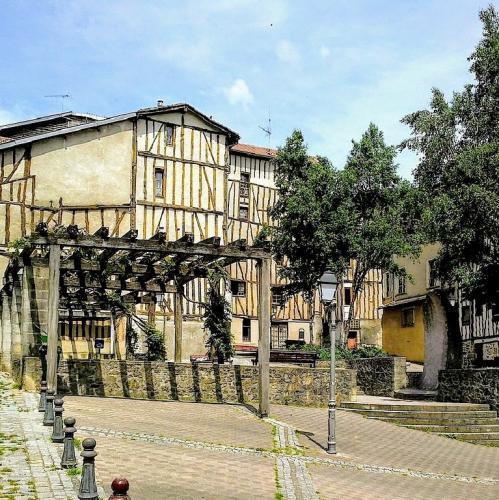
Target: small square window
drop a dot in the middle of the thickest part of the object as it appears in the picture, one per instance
(159, 177)
(277, 296)
(238, 288)
(465, 315)
(243, 212)
(246, 330)
(407, 318)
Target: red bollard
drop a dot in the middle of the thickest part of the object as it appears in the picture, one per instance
(120, 489)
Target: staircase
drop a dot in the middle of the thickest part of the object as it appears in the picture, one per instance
(473, 423)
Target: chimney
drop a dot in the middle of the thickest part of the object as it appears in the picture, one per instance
(160, 103)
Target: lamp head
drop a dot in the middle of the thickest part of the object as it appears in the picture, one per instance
(328, 283)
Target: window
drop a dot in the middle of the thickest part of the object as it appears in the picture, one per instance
(495, 311)
(238, 288)
(348, 295)
(388, 281)
(301, 334)
(244, 186)
(407, 318)
(433, 280)
(479, 307)
(159, 177)
(465, 315)
(401, 289)
(169, 135)
(246, 330)
(243, 213)
(277, 296)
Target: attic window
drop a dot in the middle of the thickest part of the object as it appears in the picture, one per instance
(168, 135)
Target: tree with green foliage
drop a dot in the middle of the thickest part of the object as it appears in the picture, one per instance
(357, 218)
(458, 172)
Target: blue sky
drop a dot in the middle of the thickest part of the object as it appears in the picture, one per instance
(325, 67)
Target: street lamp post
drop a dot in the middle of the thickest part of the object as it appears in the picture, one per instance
(327, 286)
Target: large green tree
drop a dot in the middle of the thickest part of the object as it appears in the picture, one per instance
(458, 171)
(356, 218)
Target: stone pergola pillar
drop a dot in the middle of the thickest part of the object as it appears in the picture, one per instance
(15, 321)
(53, 316)
(6, 332)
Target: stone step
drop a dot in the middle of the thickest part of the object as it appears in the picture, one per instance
(472, 436)
(435, 421)
(416, 394)
(486, 442)
(454, 407)
(456, 428)
(424, 414)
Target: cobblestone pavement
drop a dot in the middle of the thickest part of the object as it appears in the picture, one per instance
(187, 450)
(29, 461)
(375, 442)
(207, 451)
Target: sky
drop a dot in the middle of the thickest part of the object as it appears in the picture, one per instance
(326, 67)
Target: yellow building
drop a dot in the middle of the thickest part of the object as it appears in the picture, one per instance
(414, 316)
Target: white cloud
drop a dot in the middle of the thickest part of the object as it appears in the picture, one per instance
(324, 51)
(287, 52)
(239, 93)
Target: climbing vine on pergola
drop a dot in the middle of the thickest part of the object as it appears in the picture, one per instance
(98, 271)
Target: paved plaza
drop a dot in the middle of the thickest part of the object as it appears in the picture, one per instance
(213, 451)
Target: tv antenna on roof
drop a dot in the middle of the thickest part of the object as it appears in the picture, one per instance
(62, 97)
(268, 129)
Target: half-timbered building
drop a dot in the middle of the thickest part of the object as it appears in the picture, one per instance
(166, 169)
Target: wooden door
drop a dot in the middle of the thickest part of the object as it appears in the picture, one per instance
(279, 335)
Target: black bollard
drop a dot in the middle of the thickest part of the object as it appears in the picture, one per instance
(48, 418)
(43, 396)
(88, 486)
(68, 459)
(58, 430)
(120, 489)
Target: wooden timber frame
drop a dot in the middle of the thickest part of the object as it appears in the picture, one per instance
(68, 270)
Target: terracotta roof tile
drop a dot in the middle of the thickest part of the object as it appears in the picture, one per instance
(253, 150)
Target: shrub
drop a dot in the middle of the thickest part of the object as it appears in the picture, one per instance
(344, 353)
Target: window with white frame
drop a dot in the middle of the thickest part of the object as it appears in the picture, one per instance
(244, 185)
(402, 285)
(238, 288)
(159, 178)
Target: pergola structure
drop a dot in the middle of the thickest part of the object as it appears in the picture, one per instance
(74, 278)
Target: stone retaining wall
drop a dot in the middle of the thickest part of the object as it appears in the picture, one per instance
(380, 376)
(479, 385)
(203, 382)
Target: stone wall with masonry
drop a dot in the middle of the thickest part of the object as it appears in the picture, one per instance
(195, 382)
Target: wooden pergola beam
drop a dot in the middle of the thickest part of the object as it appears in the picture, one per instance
(169, 247)
(117, 284)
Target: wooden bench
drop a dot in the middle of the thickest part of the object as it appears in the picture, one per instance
(295, 357)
